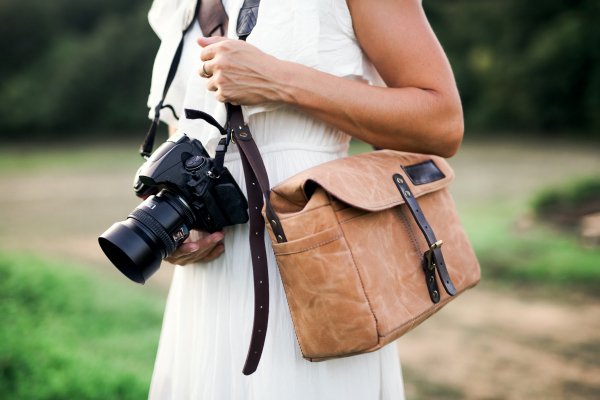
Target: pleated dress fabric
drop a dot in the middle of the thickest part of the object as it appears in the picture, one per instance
(208, 318)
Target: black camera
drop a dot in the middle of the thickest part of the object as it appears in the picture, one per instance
(193, 191)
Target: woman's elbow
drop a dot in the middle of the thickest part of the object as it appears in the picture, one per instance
(450, 131)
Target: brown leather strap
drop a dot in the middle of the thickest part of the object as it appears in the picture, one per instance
(257, 186)
(436, 251)
(212, 18)
(213, 22)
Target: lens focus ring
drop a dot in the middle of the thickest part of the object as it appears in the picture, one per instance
(156, 228)
(175, 202)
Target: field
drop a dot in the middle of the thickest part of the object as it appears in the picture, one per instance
(530, 330)
(67, 334)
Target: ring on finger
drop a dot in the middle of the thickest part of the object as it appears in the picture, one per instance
(204, 71)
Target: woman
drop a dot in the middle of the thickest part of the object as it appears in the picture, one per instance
(311, 75)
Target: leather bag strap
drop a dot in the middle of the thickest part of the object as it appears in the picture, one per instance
(434, 256)
(257, 186)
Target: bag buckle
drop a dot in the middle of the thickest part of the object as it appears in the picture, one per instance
(429, 254)
(430, 278)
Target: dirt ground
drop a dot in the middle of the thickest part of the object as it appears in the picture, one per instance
(491, 343)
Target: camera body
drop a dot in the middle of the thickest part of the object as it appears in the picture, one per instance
(193, 191)
(182, 166)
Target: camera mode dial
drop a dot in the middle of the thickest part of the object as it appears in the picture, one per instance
(195, 162)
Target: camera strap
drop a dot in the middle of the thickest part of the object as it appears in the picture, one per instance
(148, 145)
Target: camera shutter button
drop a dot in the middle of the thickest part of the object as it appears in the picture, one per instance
(194, 162)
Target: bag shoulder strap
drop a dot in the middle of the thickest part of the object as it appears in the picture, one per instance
(257, 187)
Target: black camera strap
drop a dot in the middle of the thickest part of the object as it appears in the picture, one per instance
(148, 145)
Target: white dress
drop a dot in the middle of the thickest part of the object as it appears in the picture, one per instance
(208, 319)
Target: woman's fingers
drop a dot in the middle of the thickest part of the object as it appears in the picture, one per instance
(211, 85)
(201, 246)
(205, 70)
(207, 256)
(188, 248)
(216, 252)
(239, 72)
(195, 251)
(208, 52)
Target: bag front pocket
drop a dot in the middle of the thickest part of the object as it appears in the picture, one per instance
(332, 315)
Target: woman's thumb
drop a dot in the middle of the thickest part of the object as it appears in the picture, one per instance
(207, 41)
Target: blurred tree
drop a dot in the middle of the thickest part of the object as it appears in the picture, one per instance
(524, 65)
(80, 66)
(75, 66)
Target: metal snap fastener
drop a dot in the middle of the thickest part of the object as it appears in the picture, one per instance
(436, 295)
(431, 280)
(274, 224)
(243, 134)
(399, 180)
(279, 239)
(407, 193)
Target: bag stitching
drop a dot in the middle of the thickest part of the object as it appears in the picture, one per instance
(355, 217)
(413, 238)
(288, 216)
(310, 248)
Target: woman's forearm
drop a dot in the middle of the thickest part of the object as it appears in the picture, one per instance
(419, 111)
(408, 119)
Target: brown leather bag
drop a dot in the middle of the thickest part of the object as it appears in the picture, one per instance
(354, 240)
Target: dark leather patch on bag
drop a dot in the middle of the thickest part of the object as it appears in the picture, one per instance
(422, 173)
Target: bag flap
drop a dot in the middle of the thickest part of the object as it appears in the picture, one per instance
(364, 181)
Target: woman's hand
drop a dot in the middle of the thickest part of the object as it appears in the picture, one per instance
(203, 250)
(239, 73)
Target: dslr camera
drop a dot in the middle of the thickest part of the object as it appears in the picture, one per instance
(184, 189)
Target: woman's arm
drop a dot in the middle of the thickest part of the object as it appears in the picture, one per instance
(419, 111)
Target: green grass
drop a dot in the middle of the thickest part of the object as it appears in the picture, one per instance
(567, 203)
(535, 255)
(24, 159)
(67, 334)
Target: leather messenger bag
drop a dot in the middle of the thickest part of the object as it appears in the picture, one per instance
(368, 247)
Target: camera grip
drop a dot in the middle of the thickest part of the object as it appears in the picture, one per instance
(232, 203)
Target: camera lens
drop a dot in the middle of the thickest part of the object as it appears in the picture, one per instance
(151, 232)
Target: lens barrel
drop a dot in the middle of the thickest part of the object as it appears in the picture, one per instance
(151, 232)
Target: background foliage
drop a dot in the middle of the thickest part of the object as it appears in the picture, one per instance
(83, 66)
(526, 66)
(66, 334)
(74, 66)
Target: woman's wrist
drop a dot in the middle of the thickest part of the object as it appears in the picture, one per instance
(286, 76)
